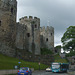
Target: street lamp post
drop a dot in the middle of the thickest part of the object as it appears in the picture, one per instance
(19, 61)
(39, 63)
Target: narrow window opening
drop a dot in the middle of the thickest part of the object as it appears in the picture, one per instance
(26, 27)
(28, 34)
(35, 26)
(12, 10)
(2, 30)
(46, 39)
(51, 34)
(55, 51)
(0, 22)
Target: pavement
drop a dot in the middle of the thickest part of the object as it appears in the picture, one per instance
(43, 72)
(71, 72)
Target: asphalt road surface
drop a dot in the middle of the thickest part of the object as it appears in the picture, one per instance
(48, 73)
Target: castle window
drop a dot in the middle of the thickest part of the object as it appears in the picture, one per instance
(55, 51)
(35, 26)
(46, 39)
(0, 23)
(12, 10)
(25, 27)
(51, 34)
(2, 30)
(28, 34)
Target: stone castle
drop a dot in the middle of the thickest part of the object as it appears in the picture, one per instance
(24, 35)
(8, 10)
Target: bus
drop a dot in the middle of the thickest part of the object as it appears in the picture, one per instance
(59, 67)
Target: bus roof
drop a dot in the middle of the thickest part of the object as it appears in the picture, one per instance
(59, 63)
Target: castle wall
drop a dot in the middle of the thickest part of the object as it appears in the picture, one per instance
(37, 35)
(7, 50)
(19, 36)
(26, 35)
(47, 36)
(31, 35)
(7, 26)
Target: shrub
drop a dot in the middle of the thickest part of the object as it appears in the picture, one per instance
(72, 53)
(45, 51)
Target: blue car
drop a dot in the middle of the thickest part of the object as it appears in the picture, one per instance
(24, 71)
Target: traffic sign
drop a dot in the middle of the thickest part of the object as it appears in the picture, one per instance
(19, 62)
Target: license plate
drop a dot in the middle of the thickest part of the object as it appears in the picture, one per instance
(21, 73)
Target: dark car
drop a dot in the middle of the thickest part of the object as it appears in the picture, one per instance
(24, 71)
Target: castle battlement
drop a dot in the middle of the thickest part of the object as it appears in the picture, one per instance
(43, 28)
(30, 18)
(50, 28)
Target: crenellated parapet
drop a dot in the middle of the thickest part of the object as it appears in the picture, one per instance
(30, 18)
(48, 28)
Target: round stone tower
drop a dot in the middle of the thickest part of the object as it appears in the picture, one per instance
(8, 10)
(30, 35)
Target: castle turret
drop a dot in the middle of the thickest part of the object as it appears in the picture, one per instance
(47, 37)
(31, 33)
(13, 8)
(8, 10)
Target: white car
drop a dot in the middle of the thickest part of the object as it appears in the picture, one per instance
(48, 69)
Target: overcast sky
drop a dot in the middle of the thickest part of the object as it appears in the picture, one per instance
(57, 13)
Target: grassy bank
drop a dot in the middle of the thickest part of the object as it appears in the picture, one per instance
(9, 63)
(59, 59)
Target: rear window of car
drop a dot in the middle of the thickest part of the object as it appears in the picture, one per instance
(23, 69)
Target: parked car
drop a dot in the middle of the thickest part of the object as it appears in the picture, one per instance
(48, 69)
(24, 71)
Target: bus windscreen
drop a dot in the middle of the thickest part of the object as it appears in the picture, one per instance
(55, 66)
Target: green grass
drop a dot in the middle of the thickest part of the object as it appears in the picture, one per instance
(9, 63)
(59, 59)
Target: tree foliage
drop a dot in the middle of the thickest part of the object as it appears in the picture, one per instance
(58, 47)
(68, 39)
(72, 53)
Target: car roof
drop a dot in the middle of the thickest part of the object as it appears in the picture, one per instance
(24, 67)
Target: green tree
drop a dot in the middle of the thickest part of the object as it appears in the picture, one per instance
(68, 39)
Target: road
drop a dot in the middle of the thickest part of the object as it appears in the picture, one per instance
(48, 73)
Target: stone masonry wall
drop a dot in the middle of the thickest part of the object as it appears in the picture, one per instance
(47, 37)
(5, 49)
(8, 26)
(28, 29)
(44, 59)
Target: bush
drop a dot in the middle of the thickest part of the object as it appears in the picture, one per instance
(59, 59)
(45, 51)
